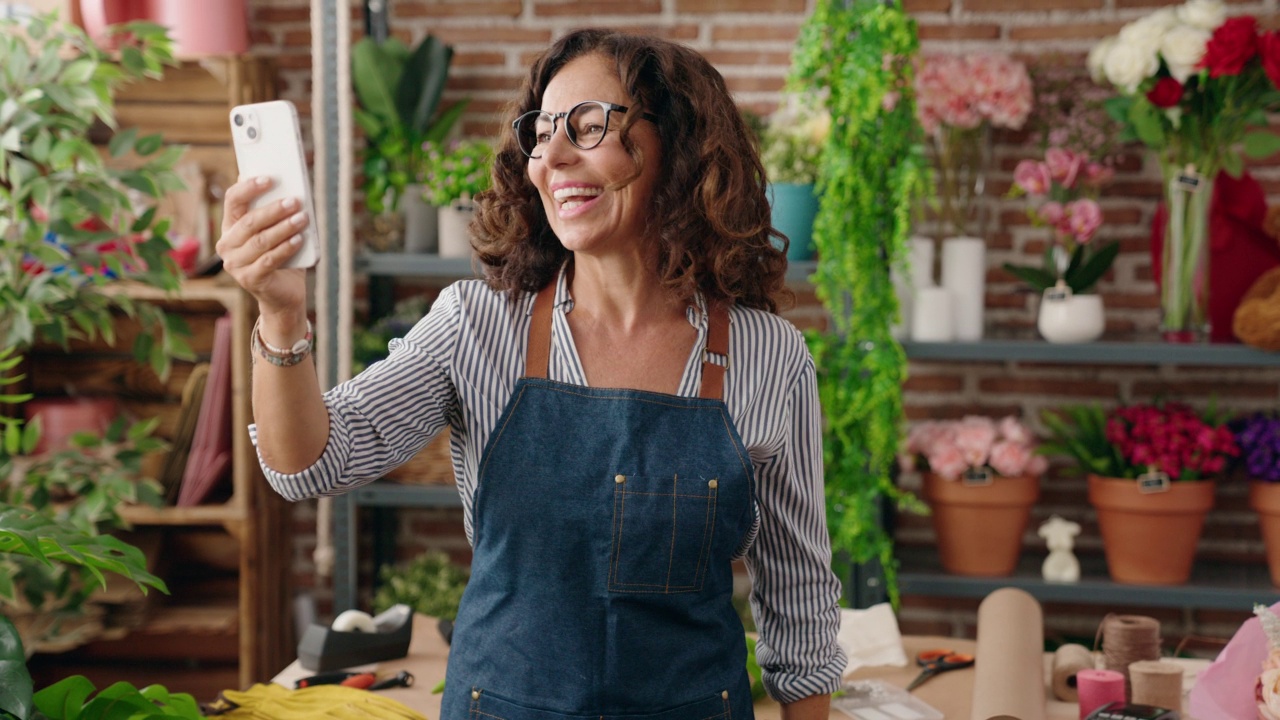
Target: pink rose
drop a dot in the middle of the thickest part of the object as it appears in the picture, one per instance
(1033, 177)
(1037, 465)
(1051, 213)
(1014, 431)
(923, 435)
(890, 100)
(1085, 217)
(1010, 458)
(946, 461)
(974, 436)
(1064, 165)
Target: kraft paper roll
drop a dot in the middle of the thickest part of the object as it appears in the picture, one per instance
(1156, 683)
(1067, 661)
(1097, 688)
(1009, 672)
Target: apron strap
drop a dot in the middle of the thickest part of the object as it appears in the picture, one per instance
(538, 355)
(717, 342)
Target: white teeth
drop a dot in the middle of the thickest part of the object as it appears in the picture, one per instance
(574, 192)
(571, 204)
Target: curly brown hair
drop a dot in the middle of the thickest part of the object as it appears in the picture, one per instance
(710, 215)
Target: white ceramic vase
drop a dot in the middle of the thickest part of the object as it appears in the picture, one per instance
(421, 222)
(455, 240)
(1071, 319)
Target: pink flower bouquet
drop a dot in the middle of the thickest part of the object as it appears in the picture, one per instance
(957, 98)
(1061, 191)
(974, 445)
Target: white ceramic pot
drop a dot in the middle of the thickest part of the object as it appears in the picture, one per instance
(455, 240)
(421, 222)
(1073, 319)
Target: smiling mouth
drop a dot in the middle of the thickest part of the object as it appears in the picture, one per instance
(574, 197)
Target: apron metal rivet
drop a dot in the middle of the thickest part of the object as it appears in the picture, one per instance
(619, 478)
(713, 484)
(724, 693)
(475, 694)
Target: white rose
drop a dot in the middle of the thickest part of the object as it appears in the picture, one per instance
(1096, 57)
(1149, 31)
(1128, 64)
(1204, 14)
(1183, 48)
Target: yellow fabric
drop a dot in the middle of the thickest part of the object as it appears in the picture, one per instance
(273, 702)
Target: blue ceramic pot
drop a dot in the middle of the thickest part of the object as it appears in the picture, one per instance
(794, 207)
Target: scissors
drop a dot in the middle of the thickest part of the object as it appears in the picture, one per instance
(938, 661)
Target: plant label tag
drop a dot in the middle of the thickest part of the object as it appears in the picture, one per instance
(1153, 482)
(1057, 293)
(1188, 181)
(977, 476)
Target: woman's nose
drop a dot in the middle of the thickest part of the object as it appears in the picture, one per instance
(558, 149)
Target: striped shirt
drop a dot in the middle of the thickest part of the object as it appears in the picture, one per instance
(458, 366)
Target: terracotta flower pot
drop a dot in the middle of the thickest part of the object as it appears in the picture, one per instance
(980, 527)
(1264, 498)
(1150, 538)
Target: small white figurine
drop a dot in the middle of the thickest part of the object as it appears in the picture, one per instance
(1061, 566)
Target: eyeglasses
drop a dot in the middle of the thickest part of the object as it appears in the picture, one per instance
(585, 125)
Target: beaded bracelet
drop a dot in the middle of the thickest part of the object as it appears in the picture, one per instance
(282, 357)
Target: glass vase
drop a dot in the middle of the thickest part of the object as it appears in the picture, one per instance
(961, 159)
(1184, 262)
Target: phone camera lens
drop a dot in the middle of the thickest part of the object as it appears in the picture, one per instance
(239, 120)
(252, 133)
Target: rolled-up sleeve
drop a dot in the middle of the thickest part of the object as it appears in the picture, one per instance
(795, 595)
(381, 418)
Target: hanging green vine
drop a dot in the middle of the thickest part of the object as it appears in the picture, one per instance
(857, 55)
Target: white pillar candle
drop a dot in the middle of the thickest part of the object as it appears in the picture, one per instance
(964, 274)
(931, 315)
(920, 266)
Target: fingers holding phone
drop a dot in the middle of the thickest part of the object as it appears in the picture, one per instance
(259, 241)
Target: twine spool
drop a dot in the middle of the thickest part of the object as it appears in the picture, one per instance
(1097, 688)
(1067, 661)
(1126, 639)
(1157, 683)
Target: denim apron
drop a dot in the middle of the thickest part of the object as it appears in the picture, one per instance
(604, 525)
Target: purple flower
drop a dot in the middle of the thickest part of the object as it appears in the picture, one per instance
(1259, 438)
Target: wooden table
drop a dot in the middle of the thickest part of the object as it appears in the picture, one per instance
(950, 693)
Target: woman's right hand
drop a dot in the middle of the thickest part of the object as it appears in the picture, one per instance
(256, 243)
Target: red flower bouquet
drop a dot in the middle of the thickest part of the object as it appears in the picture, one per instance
(1145, 439)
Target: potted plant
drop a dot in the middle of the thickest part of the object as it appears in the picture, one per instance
(73, 224)
(73, 227)
(871, 174)
(399, 91)
(981, 477)
(791, 144)
(1062, 191)
(453, 174)
(1151, 470)
(1258, 437)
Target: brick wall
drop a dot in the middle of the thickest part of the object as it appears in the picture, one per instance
(750, 42)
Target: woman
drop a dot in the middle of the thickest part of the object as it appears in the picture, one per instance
(620, 395)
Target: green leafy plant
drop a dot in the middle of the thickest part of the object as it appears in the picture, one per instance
(791, 142)
(456, 172)
(429, 584)
(72, 225)
(399, 92)
(872, 173)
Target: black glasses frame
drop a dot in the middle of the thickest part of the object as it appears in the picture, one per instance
(569, 132)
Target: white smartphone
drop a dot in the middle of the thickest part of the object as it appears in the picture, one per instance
(268, 142)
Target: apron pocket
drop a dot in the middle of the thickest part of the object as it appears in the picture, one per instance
(662, 528)
(485, 705)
